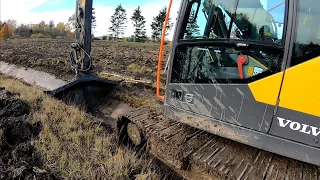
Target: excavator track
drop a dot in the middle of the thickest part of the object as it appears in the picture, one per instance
(195, 154)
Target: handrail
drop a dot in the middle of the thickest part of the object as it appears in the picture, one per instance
(161, 51)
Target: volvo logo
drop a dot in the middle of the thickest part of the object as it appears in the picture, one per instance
(189, 98)
(295, 126)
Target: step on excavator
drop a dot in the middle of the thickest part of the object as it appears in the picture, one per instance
(241, 98)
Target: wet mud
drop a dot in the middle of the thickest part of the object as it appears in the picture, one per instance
(18, 157)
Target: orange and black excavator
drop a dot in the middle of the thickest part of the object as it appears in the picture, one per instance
(244, 70)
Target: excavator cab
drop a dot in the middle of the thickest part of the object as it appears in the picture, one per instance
(247, 70)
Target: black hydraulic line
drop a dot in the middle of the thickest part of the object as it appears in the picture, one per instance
(232, 18)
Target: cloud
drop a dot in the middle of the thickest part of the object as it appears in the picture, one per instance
(17, 8)
(11, 6)
(20, 10)
(54, 2)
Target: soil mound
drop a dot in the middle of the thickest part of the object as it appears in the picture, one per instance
(18, 158)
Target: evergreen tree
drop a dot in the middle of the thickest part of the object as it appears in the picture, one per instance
(4, 33)
(158, 23)
(139, 24)
(193, 28)
(118, 20)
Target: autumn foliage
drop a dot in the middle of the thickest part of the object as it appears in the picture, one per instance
(4, 33)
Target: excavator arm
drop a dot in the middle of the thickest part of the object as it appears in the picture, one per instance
(81, 60)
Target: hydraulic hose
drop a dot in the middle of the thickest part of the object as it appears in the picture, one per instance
(161, 52)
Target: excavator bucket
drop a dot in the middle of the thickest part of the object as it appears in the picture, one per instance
(86, 92)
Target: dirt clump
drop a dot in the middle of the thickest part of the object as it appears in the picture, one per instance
(18, 157)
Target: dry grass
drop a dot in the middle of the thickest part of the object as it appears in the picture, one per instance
(131, 80)
(128, 94)
(134, 100)
(73, 145)
(139, 69)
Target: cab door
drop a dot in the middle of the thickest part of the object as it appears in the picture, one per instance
(298, 115)
(227, 66)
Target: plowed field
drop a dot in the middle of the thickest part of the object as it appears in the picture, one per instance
(134, 60)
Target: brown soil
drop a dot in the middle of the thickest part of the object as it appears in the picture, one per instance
(135, 60)
(18, 158)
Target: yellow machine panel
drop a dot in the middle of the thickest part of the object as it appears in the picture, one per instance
(301, 88)
(267, 90)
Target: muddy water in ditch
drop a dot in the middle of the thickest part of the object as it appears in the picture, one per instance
(42, 79)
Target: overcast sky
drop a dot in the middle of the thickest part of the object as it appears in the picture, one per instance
(34, 11)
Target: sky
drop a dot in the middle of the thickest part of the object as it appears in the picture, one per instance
(34, 11)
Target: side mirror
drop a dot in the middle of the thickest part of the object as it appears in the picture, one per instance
(195, 6)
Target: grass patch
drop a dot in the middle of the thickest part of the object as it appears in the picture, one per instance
(138, 69)
(134, 100)
(75, 147)
(127, 93)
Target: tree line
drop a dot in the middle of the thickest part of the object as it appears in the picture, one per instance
(10, 29)
(119, 20)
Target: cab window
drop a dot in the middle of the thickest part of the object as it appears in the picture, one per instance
(307, 42)
(220, 61)
(224, 63)
(249, 19)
